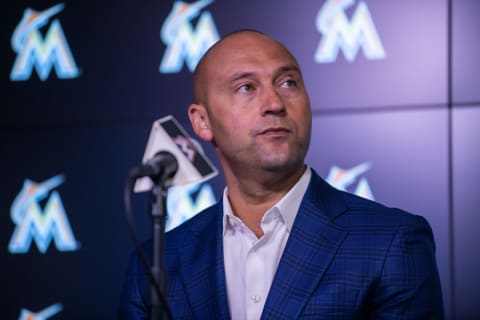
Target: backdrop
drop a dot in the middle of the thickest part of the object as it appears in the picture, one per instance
(396, 106)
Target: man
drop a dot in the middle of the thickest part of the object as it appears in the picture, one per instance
(282, 243)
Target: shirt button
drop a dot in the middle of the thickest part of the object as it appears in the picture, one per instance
(256, 298)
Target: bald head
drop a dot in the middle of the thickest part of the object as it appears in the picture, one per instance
(218, 55)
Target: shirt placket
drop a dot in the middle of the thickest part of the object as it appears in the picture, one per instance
(257, 286)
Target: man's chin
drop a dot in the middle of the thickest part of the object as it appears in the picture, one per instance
(281, 165)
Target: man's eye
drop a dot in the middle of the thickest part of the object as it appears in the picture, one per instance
(290, 84)
(246, 88)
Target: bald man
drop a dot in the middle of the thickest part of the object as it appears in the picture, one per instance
(282, 243)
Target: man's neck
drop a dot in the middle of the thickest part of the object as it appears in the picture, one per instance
(251, 198)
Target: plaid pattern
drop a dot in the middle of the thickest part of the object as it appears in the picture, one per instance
(346, 258)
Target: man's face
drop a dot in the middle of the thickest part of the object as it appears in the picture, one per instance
(257, 107)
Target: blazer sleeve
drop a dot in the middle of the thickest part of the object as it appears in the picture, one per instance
(409, 285)
(132, 301)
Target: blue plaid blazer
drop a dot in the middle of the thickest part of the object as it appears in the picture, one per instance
(346, 258)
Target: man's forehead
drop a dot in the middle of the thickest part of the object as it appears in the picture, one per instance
(240, 51)
(235, 52)
(252, 71)
(240, 43)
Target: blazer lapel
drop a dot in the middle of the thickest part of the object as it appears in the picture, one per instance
(202, 268)
(312, 244)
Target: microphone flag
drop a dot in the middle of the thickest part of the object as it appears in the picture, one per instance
(193, 166)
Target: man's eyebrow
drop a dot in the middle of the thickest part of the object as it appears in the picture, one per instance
(241, 75)
(288, 68)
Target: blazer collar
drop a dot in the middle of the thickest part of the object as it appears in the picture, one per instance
(311, 246)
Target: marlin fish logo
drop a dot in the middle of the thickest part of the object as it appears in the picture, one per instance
(32, 192)
(181, 13)
(342, 179)
(184, 44)
(35, 51)
(41, 315)
(32, 20)
(327, 13)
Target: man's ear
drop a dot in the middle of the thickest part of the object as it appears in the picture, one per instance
(200, 122)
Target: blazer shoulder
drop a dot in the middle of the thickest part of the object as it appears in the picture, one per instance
(377, 213)
(350, 209)
(357, 202)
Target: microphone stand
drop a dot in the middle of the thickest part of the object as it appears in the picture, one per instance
(158, 216)
(161, 168)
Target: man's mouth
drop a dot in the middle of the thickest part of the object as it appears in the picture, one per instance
(275, 131)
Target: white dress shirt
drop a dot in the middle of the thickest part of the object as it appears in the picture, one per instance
(251, 262)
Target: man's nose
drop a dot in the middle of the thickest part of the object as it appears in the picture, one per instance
(273, 102)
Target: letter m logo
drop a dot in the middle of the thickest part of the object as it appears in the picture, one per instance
(43, 54)
(41, 226)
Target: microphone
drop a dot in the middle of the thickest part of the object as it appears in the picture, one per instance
(160, 168)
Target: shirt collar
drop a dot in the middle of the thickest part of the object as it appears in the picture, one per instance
(288, 205)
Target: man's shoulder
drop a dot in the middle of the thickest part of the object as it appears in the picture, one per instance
(359, 205)
(364, 211)
(352, 209)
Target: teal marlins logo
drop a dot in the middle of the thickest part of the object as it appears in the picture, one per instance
(349, 36)
(184, 43)
(41, 225)
(185, 201)
(346, 178)
(43, 54)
